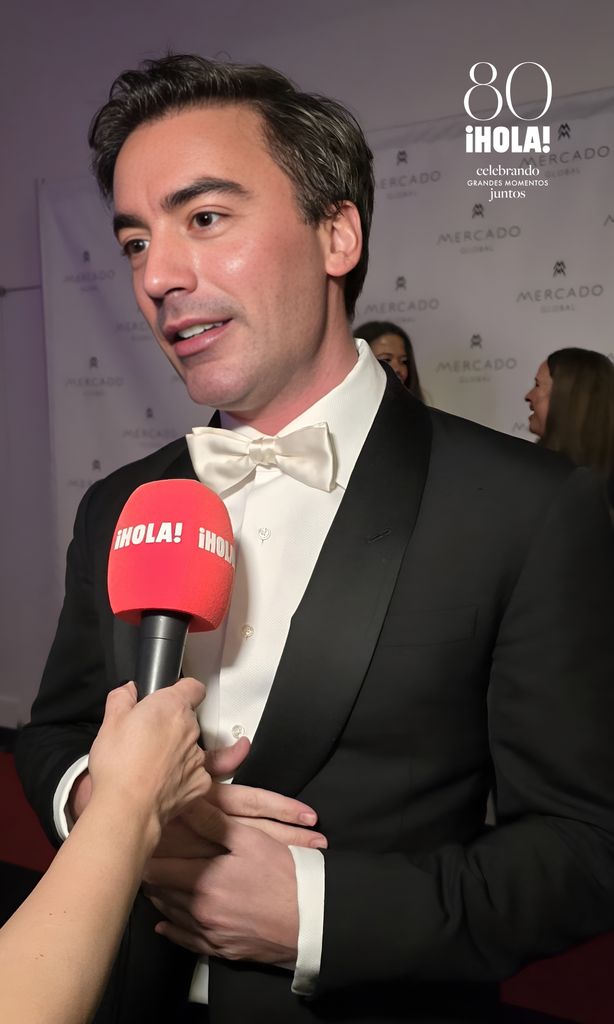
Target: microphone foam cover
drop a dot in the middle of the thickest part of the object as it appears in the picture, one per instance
(172, 551)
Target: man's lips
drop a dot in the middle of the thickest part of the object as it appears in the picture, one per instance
(189, 339)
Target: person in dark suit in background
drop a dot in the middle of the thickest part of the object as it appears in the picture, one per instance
(422, 607)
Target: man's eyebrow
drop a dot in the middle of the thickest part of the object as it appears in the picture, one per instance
(126, 220)
(200, 187)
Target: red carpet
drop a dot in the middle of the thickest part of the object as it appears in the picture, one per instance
(22, 840)
(577, 985)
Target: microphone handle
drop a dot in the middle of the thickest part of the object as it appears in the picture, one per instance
(162, 637)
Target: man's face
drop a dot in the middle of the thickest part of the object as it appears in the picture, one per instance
(232, 282)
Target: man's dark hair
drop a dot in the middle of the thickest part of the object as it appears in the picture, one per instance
(316, 141)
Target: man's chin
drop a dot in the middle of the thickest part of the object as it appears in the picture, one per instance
(205, 391)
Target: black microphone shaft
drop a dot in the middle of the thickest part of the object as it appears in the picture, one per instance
(162, 637)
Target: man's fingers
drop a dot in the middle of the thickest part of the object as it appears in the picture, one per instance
(208, 821)
(174, 905)
(289, 835)
(174, 873)
(191, 846)
(250, 802)
(225, 761)
(188, 875)
(184, 938)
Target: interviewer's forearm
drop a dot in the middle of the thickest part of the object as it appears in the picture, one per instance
(56, 951)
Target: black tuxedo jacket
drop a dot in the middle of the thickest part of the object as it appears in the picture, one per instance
(455, 637)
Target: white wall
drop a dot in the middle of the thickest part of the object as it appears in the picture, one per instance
(392, 61)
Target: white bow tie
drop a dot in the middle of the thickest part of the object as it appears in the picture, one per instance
(222, 458)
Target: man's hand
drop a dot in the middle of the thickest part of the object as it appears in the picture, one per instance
(238, 905)
(196, 833)
(281, 817)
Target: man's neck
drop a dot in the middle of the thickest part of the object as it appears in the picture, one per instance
(278, 414)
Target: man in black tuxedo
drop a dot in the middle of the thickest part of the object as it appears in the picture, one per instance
(422, 612)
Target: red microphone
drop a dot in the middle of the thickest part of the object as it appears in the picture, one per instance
(171, 568)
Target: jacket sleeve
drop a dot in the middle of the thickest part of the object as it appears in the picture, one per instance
(543, 878)
(69, 707)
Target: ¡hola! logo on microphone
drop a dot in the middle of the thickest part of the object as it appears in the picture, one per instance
(173, 533)
(516, 138)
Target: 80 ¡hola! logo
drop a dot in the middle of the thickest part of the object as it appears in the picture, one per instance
(517, 138)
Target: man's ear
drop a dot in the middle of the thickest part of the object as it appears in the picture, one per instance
(343, 239)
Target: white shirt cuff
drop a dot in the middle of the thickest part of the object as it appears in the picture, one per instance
(199, 989)
(309, 866)
(61, 815)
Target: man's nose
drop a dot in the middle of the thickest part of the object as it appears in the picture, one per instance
(168, 268)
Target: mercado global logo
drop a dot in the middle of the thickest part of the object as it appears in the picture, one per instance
(476, 366)
(85, 475)
(400, 180)
(92, 380)
(403, 307)
(568, 156)
(560, 296)
(147, 433)
(478, 236)
(88, 277)
(134, 330)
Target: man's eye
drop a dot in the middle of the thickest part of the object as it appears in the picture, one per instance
(134, 247)
(205, 219)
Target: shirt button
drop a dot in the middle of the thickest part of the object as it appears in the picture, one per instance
(247, 631)
(238, 731)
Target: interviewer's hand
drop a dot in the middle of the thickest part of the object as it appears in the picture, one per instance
(147, 753)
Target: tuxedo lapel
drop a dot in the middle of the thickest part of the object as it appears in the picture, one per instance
(335, 628)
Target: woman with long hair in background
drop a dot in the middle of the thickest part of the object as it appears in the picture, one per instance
(572, 408)
(390, 344)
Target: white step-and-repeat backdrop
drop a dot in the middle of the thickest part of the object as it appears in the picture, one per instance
(485, 284)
